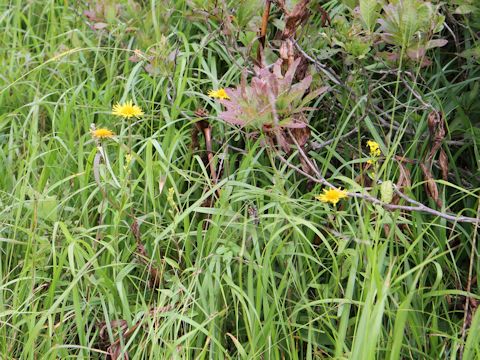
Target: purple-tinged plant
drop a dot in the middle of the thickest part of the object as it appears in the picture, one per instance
(271, 102)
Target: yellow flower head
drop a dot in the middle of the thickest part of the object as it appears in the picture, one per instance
(374, 148)
(332, 195)
(219, 94)
(127, 110)
(102, 133)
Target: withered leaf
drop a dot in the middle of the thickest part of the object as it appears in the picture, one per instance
(301, 135)
(436, 127)
(404, 180)
(294, 18)
(443, 161)
(135, 229)
(430, 185)
(115, 352)
(120, 329)
(119, 324)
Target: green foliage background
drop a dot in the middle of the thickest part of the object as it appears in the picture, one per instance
(259, 270)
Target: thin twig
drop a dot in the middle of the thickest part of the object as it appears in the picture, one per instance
(383, 122)
(336, 79)
(318, 146)
(416, 94)
(417, 206)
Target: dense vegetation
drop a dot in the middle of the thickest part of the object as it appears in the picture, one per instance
(277, 180)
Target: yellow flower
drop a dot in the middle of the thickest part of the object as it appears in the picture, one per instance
(374, 148)
(332, 195)
(219, 94)
(127, 110)
(102, 133)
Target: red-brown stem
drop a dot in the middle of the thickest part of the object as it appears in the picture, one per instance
(263, 30)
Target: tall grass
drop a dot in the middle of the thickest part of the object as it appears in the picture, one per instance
(250, 267)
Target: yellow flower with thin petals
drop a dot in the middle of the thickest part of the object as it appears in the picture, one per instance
(127, 110)
(102, 133)
(332, 195)
(219, 94)
(374, 148)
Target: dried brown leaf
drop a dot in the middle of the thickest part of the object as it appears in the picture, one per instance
(386, 229)
(325, 17)
(114, 349)
(404, 180)
(135, 229)
(436, 127)
(430, 185)
(443, 162)
(119, 324)
(115, 352)
(295, 18)
(301, 135)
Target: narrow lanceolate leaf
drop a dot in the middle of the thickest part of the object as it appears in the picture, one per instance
(403, 313)
(369, 12)
(472, 345)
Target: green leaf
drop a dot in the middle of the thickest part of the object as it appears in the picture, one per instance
(369, 12)
(47, 208)
(350, 3)
(465, 9)
(473, 340)
(472, 53)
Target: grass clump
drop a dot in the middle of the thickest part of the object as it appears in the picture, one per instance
(171, 188)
